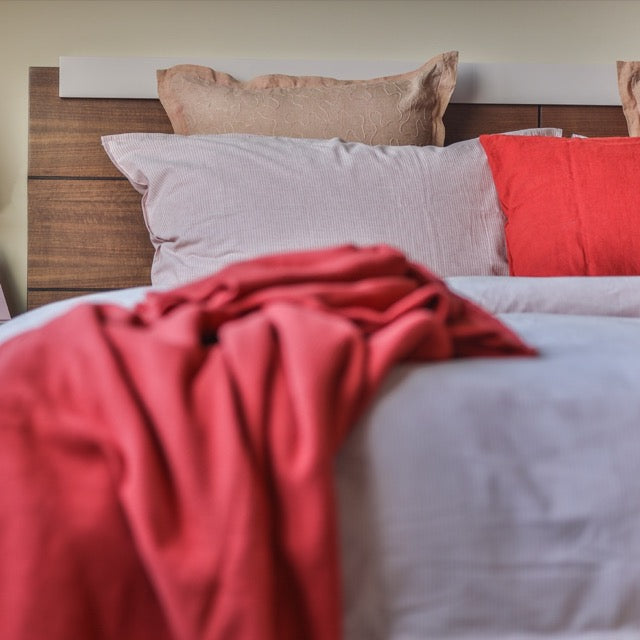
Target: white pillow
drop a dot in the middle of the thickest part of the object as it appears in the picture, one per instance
(575, 295)
(212, 200)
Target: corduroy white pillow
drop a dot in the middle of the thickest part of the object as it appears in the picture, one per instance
(212, 200)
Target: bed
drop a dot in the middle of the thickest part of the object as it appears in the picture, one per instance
(475, 497)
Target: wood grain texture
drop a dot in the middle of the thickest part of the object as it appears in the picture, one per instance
(465, 121)
(85, 235)
(64, 133)
(39, 298)
(591, 121)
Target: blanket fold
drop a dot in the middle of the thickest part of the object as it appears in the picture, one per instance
(167, 471)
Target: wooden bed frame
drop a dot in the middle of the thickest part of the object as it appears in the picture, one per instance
(86, 231)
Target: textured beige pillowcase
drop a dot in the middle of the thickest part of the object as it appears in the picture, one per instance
(404, 109)
(629, 87)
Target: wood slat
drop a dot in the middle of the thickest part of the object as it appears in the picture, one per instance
(465, 121)
(64, 133)
(86, 234)
(592, 121)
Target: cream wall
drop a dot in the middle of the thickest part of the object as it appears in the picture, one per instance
(36, 32)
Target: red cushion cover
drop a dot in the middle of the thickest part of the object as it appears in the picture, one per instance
(167, 472)
(572, 204)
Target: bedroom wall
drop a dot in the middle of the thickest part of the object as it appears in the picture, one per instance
(36, 32)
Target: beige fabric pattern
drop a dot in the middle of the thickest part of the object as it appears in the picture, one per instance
(394, 110)
(212, 200)
(629, 88)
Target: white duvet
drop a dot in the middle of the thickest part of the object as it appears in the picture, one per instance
(497, 498)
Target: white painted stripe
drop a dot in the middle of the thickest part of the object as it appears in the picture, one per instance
(481, 83)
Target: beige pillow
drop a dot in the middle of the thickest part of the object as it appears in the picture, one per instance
(629, 87)
(405, 109)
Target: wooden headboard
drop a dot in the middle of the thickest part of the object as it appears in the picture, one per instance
(86, 231)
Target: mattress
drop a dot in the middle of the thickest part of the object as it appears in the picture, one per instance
(495, 498)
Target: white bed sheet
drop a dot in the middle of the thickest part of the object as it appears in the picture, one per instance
(616, 296)
(496, 498)
(37, 317)
(501, 498)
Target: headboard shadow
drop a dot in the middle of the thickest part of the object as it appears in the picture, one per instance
(86, 231)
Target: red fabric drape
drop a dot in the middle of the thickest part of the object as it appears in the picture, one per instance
(166, 472)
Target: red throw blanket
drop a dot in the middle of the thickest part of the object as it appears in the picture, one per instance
(167, 472)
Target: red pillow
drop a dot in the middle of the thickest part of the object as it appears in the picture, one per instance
(572, 204)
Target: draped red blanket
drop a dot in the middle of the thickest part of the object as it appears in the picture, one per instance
(167, 472)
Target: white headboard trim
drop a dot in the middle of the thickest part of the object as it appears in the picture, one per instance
(480, 83)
